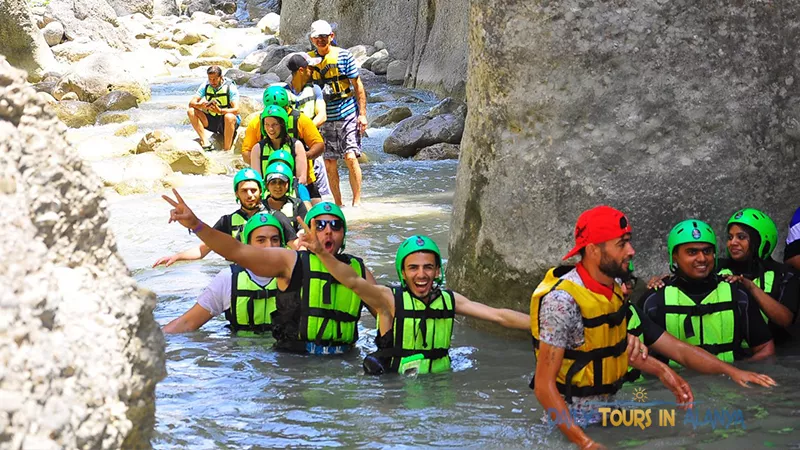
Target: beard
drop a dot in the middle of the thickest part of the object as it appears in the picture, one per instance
(613, 268)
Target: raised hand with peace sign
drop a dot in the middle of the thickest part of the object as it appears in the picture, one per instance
(181, 213)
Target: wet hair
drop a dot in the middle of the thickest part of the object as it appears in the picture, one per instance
(216, 70)
(284, 136)
(755, 239)
(296, 62)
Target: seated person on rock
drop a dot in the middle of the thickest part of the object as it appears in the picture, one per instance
(314, 314)
(752, 237)
(701, 308)
(273, 127)
(248, 186)
(581, 312)
(299, 127)
(279, 185)
(215, 107)
(791, 254)
(415, 321)
(255, 295)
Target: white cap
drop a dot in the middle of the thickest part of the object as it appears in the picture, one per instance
(321, 28)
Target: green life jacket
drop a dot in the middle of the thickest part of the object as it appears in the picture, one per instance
(635, 328)
(289, 209)
(251, 304)
(305, 101)
(421, 329)
(769, 280)
(237, 223)
(266, 150)
(712, 324)
(291, 126)
(221, 95)
(329, 311)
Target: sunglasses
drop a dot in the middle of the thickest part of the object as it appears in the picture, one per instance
(335, 224)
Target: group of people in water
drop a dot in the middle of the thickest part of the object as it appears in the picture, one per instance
(290, 275)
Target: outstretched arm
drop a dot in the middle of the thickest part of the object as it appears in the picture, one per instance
(265, 262)
(378, 298)
(501, 316)
(191, 320)
(696, 358)
(677, 385)
(190, 254)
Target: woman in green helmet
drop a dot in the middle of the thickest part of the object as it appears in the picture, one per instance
(276, 137)
(752, 237)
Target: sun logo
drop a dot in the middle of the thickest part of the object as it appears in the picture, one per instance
(639, 395)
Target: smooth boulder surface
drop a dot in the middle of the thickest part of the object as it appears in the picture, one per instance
(82, 351)
(224, 63)
(396, 72)
(417, 132)
(274, 55)
(98, 74)
(631, 111)
(21, 41)
(218, 50)
(75, 114)
(152, 140)
(394, 115)
(53, 33)
(127, 7)
(116, 101)
(249, 105)
(166, 8)
(270, 23)
(112, 117)
(74, 51)
(262, 81)
(95, 20)
(253, 61)
(438, 152)
(239, 77)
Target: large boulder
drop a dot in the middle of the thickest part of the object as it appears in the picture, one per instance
(270, 24)
(186, 36)
(138, 174)
(98, 74)
(188, 160)
(438, 152)
(394, 115)
(377, 56)
(262, 81)
(449, 106)
(112, 117)
(81, 351)
(223, 63)
(127, 7)
(396, 72)
(165, 8)
(116, 101)
(256, 9)
(75, 114)
(94, 20)
(53, 33)
(152, 140)
(21, 41)
(239, 77)
(646, 121)
(249, 105)
(253, 61)
(218, 50)
(418, 132)
(274, 55)
(74, 51)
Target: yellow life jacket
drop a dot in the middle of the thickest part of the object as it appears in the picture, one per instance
(221, 95)
(600, 365)
(326, 73)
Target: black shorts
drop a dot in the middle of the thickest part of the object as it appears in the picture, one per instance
(216, 124)
(313, 192)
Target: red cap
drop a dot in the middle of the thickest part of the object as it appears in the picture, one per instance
(597, 225)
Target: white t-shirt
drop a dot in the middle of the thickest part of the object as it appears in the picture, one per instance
(216, 297)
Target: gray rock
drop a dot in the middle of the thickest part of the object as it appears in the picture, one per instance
(409, 99)
(126, 7)
(240, 77)
(53, 33)
(112, 117)
(270, 24)
(262, 81)
(75, 114)
(45, 86)
(380, 97)
(227, 8)
(75, 51)
(249, 105)
(394, 115)
(253, 61)
(417, 132)
(256, 9)
(647, 122)
(381, 66)
(116, 101)
(449, 106)
(165, 8)
(438, 152)
(22, 41)
(93, 20)
(194, 6)
(70, 96)
(269, 40)
(76, 321)
(380, 45)
(362, 51)
(152, 140)
(381, 54)
(274, 55)
(368, 77)
(396, 71)
(98, 74)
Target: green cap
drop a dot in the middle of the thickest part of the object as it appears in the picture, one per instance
(764, 226)
(281, 156)
(247, 174)
(258, 220)
(276, 95)
(688, 231)
(416, 244)
(280, 169)
(273, 111)
(320, 209)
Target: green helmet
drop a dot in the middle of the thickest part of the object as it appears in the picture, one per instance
(273, 111)
(247, 174)
(280, 168)
(258, 220)
(691, 230)
(281, 156)
(764, 226)
(320, 209)
(416, 244)
(276, 95)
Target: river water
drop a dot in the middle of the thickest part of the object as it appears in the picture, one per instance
(230, 392)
